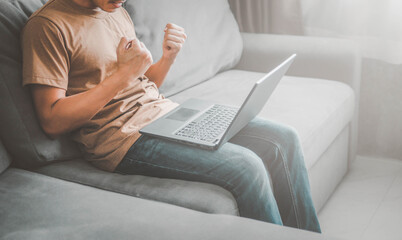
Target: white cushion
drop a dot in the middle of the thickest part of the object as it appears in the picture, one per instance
(318, 109)
(214, 43)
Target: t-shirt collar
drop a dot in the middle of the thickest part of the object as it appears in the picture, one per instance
(96, 13)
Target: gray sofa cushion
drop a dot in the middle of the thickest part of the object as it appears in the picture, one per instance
(194, 195)
(213, 45)
(37, 207)
(4, 158)
(19, 128)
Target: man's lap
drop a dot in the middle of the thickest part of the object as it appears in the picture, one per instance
(163, 158)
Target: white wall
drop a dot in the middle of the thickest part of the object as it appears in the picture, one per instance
(380, 116)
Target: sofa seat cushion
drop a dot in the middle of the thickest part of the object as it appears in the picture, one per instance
(193, 195)
(318, 109)
(37, 207)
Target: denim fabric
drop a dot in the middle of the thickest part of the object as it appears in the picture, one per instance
(261, 151)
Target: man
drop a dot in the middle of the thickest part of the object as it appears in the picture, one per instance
(90, 76)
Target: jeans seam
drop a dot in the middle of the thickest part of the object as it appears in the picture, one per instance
(287, 173)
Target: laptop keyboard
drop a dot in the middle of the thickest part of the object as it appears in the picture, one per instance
(210, 124)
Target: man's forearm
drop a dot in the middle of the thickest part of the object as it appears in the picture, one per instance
(158, 71)
(71, 112)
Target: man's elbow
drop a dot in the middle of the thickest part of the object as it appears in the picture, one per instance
(51, 130)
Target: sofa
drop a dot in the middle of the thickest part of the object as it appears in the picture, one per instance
(48, 191)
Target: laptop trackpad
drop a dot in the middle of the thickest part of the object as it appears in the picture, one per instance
(183, 114)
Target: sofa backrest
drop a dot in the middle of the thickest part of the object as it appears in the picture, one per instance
(19, 128)
(214, 42)
(5, 159)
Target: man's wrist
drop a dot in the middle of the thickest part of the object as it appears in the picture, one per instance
(118, 80)
(167, 60)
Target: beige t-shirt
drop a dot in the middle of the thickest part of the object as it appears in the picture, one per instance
(74, 48)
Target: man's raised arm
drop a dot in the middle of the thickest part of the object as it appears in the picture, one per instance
(172, 44)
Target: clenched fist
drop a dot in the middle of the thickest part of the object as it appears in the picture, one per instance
(133, 57)
(173, 41)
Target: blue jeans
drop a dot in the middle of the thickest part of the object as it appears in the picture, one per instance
(261, 151)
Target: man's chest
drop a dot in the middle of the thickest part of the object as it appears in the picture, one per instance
(92, 48)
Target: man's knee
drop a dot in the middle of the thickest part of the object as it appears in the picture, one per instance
(283, 136)
(250, 173)
(289, 135)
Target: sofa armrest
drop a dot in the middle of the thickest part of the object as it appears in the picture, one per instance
(326, 58)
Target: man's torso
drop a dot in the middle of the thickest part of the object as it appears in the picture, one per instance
(90, 39)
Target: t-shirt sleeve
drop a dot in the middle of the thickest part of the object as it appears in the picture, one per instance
(45, 57)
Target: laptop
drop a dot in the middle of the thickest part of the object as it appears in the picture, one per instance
(207, 125)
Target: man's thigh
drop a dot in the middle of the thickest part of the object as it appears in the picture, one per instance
(166, 159)
(267, 138)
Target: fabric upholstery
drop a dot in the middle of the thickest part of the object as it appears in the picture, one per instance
(318, 109)
(329, 170)
(324, 58)
(38, 207)
(4, 158)
(214, 42)
(19, 128)
(193, 195)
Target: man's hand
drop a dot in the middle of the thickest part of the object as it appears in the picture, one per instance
(173, 41)
(133, 57)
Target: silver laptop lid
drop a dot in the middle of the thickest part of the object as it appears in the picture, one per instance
(256, 99)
